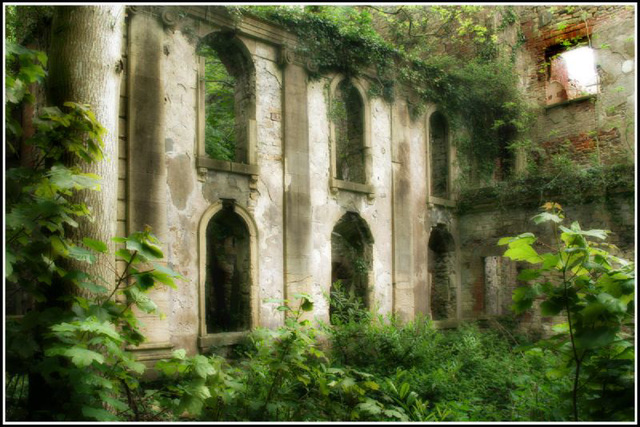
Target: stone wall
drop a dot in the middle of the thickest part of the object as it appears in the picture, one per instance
(290, 197)
(480, 231)
(593, 129)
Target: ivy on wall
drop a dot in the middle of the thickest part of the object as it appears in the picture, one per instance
(471, 84)
(569, 187)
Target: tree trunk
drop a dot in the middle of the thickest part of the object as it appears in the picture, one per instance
(84, 67)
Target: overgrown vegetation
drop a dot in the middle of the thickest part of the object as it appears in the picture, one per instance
(66, 357)
(220, 124)
(460, 71)
(570, 185)
(594, 292)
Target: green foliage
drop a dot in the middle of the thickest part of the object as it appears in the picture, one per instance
(464, 374)
(571, 186)
(220, 132)
(594, 292)
(475, 88)
(69, 347)
(284, 376)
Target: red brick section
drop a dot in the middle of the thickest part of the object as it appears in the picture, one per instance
(478, 296)
(539, 39)
(582, 144)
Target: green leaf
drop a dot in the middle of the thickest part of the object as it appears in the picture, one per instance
(549, 260)
(179, 354)
(546, 217)
(202, 367)
(523, 253)
(81, 254)
(10, 259)
(528, 274)
(307, 305)
(82, 357)
(551, 307)
(144, 280)
(96, 245)
(590, 338)
(612, 304)
(98, 414)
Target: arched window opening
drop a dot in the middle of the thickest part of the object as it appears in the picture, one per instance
(351, 260)
(348, 117)
(441, 272)
(228, 279)
(438, 138)
(505, 163)
(229, 97)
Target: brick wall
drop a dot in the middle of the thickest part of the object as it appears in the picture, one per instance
(596, 129)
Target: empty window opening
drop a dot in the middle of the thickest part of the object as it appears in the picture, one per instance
(505, 162)
(348, 117)
(438, 139)
(228, 97)
(228, 279)
(441, 274)
(572, 73)
(351, 259)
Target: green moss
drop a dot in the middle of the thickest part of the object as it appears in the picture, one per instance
(575, 187)
(478, 93)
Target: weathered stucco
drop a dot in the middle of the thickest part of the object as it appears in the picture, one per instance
(289, 198)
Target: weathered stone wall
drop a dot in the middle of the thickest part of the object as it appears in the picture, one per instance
(328, 208)
(597, 129)
(481, 230)
(289, 195)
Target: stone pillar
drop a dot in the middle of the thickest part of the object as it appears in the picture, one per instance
(297, 187)
(147, 186)
(403, 292)
(492, 285)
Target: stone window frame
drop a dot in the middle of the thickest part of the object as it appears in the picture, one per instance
(336, 184)
(455, 271)
(369, 297)
(205, 339)
(557, 48)
(203, 162)
(450, 200)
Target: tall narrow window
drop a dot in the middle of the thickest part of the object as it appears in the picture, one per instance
(220, 117)
(228, 92)
(347, 112)
(351, 258)
(441, 273)
(228, 278)
(439, 144)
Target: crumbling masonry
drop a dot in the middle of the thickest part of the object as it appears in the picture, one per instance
(298, 209)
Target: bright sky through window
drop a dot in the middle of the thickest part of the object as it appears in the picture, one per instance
(581, 68)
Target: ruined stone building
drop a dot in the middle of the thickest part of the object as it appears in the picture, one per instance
(310, 197)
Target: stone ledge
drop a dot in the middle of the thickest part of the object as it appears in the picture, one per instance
(439, 201)
(337, 184)
(221, 339)
(569, 102)
(226, 166)
(446, 323)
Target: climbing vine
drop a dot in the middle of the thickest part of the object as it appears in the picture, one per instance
(465, 77)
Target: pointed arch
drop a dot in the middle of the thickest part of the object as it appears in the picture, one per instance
(228, 279)
(352, 258)
(442, 280)
(350, 125)
(226, 99)
(439, 158)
